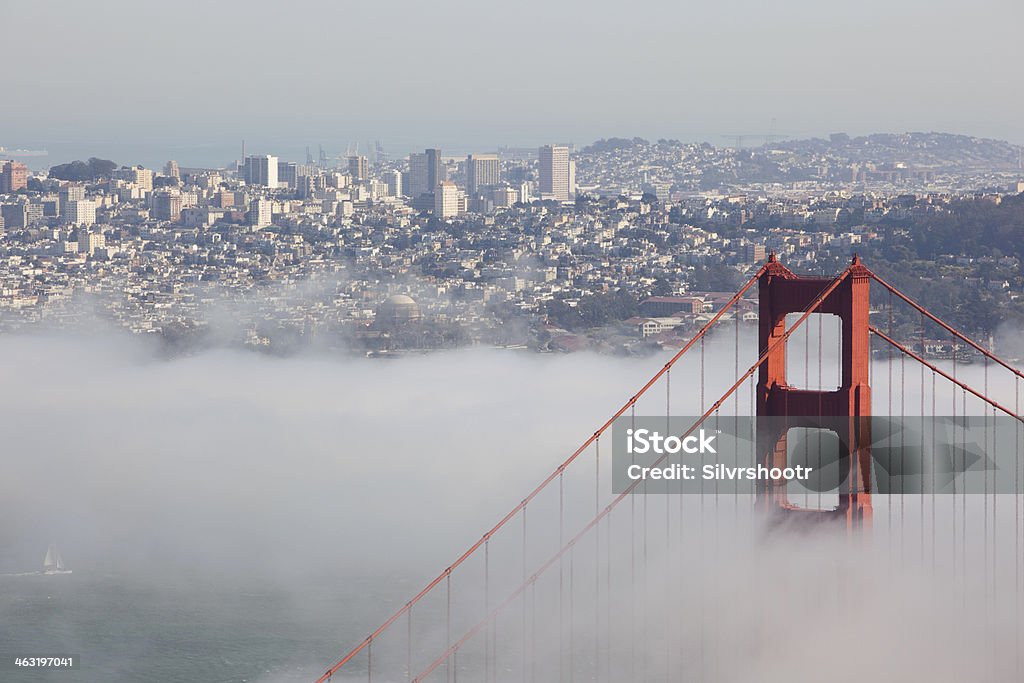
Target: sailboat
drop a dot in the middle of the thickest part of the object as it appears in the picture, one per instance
(53, 564)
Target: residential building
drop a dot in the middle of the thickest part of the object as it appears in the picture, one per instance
(446, 200)
(89, 240)
(14, 216)
(13, 176)
(260, 213)
(79, 211)
(167, 205)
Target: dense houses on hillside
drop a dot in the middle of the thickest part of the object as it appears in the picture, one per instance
(273, 250)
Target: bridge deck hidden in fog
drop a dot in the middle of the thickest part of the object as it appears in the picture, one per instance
(561, 587)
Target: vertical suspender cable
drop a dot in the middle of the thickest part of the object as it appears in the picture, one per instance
(984, 517)
(1016, 528)
(903, 419)
(932, 468)
(921, 487)
(597, 562)
(523, 664)
(487, 610)
(572, 613)
(448, 620)
(667, 627)
(889, 415)
(632, 569)
(561, 577)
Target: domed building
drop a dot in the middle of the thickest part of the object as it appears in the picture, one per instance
(397, 309)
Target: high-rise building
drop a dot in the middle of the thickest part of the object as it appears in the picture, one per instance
(223, 199)
(51, 205)
(661, 191)
(555, 174)
(172, 170)
(417, 184)
(89, 241)
(754, 253)
(394, 181)
(524, 192)
(34, 212)
(426, 172)
(378, 189)
(305, 186)
(71, 192)
(446, 200)
(358, 167)
(167, 205)
(13, 176)
(435, 169)
(260, 169)
(140, 176)
(504, 196)
(14, 216)
(286, 173)
(482, 170)
(79, 211)
(260, 213)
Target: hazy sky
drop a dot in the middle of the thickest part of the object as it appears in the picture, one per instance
(479, 74)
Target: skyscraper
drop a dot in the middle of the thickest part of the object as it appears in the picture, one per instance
(426, 172)
(555, 173)
(417, 184)
(260, 169)
(435, 169)
(482, 170)
(358, 167)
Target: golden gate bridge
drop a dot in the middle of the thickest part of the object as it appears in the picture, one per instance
(582, 581)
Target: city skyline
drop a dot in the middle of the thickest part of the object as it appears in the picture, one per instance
(225, 154)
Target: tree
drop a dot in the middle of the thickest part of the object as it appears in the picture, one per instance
(165, 181)
(100, 168)
(593, 310)
(714, 279)
(80, 171)
(662, 287)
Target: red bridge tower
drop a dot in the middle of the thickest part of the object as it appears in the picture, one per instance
(781, 292)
